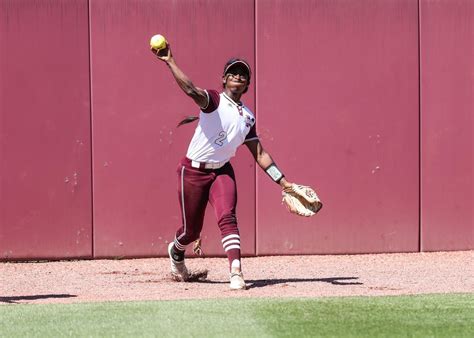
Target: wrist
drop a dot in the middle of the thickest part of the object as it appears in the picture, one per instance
(284, 183)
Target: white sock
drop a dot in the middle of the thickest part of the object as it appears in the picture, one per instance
(235, 265)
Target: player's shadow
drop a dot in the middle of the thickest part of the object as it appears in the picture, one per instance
(16, 299)
(259, 283)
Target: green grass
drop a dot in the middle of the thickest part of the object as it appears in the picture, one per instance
(404, 316)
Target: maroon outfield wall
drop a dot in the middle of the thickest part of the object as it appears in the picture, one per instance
(45, 167)
(447, 74)
(337, 99)
(89, 148)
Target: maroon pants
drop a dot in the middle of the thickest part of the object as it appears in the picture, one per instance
(195, 188)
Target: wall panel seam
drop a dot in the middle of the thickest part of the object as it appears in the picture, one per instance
(255, 57)
(91, 134)
(420, 200)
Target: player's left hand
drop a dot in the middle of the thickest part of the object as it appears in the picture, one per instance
(301, 200)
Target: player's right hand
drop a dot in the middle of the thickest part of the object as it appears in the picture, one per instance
(163, 54)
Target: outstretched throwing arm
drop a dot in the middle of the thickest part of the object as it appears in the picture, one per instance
(197, 94)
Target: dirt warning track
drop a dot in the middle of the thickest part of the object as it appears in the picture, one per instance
(276, 276)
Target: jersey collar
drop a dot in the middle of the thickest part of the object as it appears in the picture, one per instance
(240, 104)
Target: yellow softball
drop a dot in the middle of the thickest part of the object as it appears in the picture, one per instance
(158, 42)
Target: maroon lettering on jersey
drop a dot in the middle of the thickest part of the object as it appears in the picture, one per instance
(214, 99)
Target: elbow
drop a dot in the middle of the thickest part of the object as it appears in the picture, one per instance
(262, 155)
(190, 90)
(261, 160)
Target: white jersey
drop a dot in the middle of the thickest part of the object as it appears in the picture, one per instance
(223, 126)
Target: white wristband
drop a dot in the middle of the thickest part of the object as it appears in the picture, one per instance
(274, 173)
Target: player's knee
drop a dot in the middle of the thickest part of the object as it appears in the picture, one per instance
(192, 236)
(188, 237)
(228, 224)
(228, 221)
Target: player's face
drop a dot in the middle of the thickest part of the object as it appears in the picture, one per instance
(237, 79)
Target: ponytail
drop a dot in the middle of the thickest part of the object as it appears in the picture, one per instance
(187, 119)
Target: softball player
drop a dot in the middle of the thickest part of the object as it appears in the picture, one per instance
(205, 173)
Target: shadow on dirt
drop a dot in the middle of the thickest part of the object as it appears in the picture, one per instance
(16, 299)
(259, 283)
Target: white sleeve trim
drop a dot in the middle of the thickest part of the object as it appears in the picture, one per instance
(207, 105)
(252, 139)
